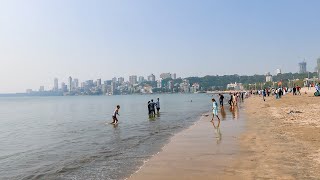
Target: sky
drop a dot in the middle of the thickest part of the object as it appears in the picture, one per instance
(45, 39)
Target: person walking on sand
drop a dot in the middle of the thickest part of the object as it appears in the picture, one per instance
(221, 97)
(114, 115)
(215, 112)
(158, 106)
(264, 94)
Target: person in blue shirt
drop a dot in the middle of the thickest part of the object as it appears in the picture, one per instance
(215, 112)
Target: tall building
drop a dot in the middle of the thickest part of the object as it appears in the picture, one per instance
(75, 84)
(41, 89)
(64, 87)
(174, 76)
(165, 75)
(120, 80)
(152, 78)
(141, 79)
(303, 67)
(98, 82)
(55, 84)
(70, 83)
(114, 79)
(108, 82)
(133, 79)
(278, 71)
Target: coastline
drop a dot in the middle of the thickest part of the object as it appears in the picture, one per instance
(280, 139)
(196, 152)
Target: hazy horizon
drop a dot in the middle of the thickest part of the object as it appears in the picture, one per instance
(43, 40)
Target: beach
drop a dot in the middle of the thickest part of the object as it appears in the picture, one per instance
(282, 139)
(279, 139)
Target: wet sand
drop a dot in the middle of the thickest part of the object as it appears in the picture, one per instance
(279, 139)
(199, 152)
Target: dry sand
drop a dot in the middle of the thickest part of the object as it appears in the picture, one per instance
(281, 140)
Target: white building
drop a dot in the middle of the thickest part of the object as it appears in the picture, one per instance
(236, 86)
(278, 71)
(268, 77)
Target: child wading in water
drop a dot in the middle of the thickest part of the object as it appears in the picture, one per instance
(215, 112)
(114, 116)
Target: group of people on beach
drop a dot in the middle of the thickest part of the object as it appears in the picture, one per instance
(235, 98)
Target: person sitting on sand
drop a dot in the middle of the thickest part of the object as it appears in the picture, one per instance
(114, 116)
(215, 112)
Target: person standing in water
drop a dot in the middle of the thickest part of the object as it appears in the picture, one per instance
(215, 112)
(158, 105)
(152, 108)
(221, 97)
(114, 116)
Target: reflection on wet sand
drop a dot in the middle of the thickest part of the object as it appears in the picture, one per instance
(223, 113)
(235, 112)
(218, 133)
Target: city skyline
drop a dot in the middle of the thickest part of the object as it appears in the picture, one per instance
(42, 40)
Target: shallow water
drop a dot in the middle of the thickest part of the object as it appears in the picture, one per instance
(68, 138)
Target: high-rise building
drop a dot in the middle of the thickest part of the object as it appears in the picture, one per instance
(75, 84)
(133, 79)
(41, 89)
(174, 76)
(303, 67)
(141, 79)
(120, 80)
(152, 78)
(278, 71)
(98, 82)
(64, 87)
(55, 84)
(70, 84)
(165, 75)
(114, 79)
(108, 82)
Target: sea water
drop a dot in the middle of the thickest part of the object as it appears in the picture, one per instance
(70, 138)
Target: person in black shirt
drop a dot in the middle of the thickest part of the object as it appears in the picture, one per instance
(221, 97)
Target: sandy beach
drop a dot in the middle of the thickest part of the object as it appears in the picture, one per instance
(276, 139)
(282, 139)
(199, 152)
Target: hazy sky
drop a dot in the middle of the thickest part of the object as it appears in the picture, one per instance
(44, 39)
